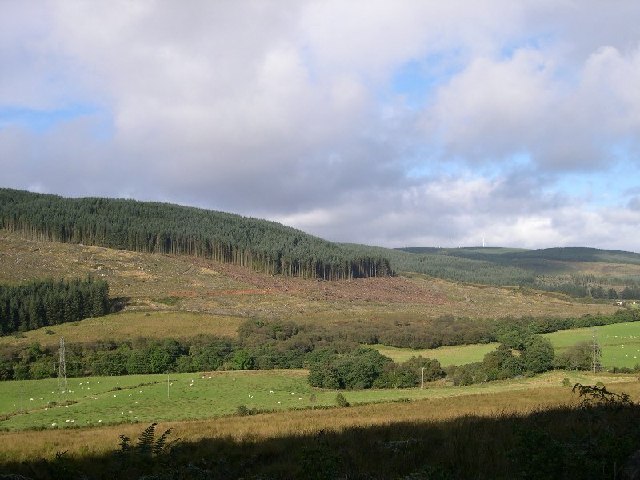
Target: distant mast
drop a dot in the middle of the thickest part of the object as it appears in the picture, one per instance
(483, 242)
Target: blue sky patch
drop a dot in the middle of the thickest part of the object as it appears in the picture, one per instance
(39, 121)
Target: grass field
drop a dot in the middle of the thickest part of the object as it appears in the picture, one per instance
(98, 401)
(429, 405)
(620, 343)
(456, 355)
(128, 325)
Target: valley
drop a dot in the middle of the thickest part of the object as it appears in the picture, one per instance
(234, 351)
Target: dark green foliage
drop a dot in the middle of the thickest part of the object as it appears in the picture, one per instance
(356, 370)
(630, 293)
(535, 356)
(410, 373)
(164, 228)
(150, 452)
(341, 401)
(577, 357)
(515, 335)
(47, 302)
(243, 411)
(269, 344)
(502, 363)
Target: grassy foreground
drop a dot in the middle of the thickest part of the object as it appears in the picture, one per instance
(495, 434)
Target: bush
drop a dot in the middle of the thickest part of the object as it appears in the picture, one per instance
(410, 373)
(537, 356)
(342, 401)
(357, 370)
(577, 357)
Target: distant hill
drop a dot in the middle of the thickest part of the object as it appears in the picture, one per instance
(541, 261)
(264, 246)
(275, 249)
(578, 271)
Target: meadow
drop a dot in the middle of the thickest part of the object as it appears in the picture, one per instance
(620, 343)
(96, 401)
(479, 433)
(129, 325)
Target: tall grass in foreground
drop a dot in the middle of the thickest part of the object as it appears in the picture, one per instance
(559, 443)
(543, 433)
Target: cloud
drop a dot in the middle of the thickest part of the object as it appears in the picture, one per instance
(294, 111)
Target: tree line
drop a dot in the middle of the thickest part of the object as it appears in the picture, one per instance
(43, 303)
(336, 354)
(164, 228)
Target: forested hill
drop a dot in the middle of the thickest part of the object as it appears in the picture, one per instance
(539, 261)
(264, 246)
(577, 271)
(272, 248)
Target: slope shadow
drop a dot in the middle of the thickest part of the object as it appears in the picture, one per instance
(561, 443)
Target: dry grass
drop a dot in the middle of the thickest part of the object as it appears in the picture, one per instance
(449, 355)
(30, 445)
(199, 285)
(129, 325)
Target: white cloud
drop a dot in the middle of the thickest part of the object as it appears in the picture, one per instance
(287, 110)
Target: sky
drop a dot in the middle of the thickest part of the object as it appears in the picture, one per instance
(392, 123)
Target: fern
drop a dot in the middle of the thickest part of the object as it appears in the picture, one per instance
(161, 443)
(146, 440)
(592, 396)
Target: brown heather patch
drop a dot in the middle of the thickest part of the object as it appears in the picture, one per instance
(128, 326)
(229, 290)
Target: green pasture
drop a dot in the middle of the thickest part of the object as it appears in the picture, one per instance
(457, 355)
(620, 343)
(108, 400)
(95, 401)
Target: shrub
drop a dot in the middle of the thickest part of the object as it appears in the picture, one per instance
(341, 401)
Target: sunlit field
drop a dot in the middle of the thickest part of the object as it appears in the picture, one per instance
(450, 355)
(620, 343)
(97, 401)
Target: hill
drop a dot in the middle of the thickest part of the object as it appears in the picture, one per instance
(207, 297)
(578, 271)
(274, 249)
(165, 228)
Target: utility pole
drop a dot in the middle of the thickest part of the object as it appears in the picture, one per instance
(422, 381)
(595, 359)
(62, 368)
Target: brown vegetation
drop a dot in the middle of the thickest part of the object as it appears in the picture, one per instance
(224, 289)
